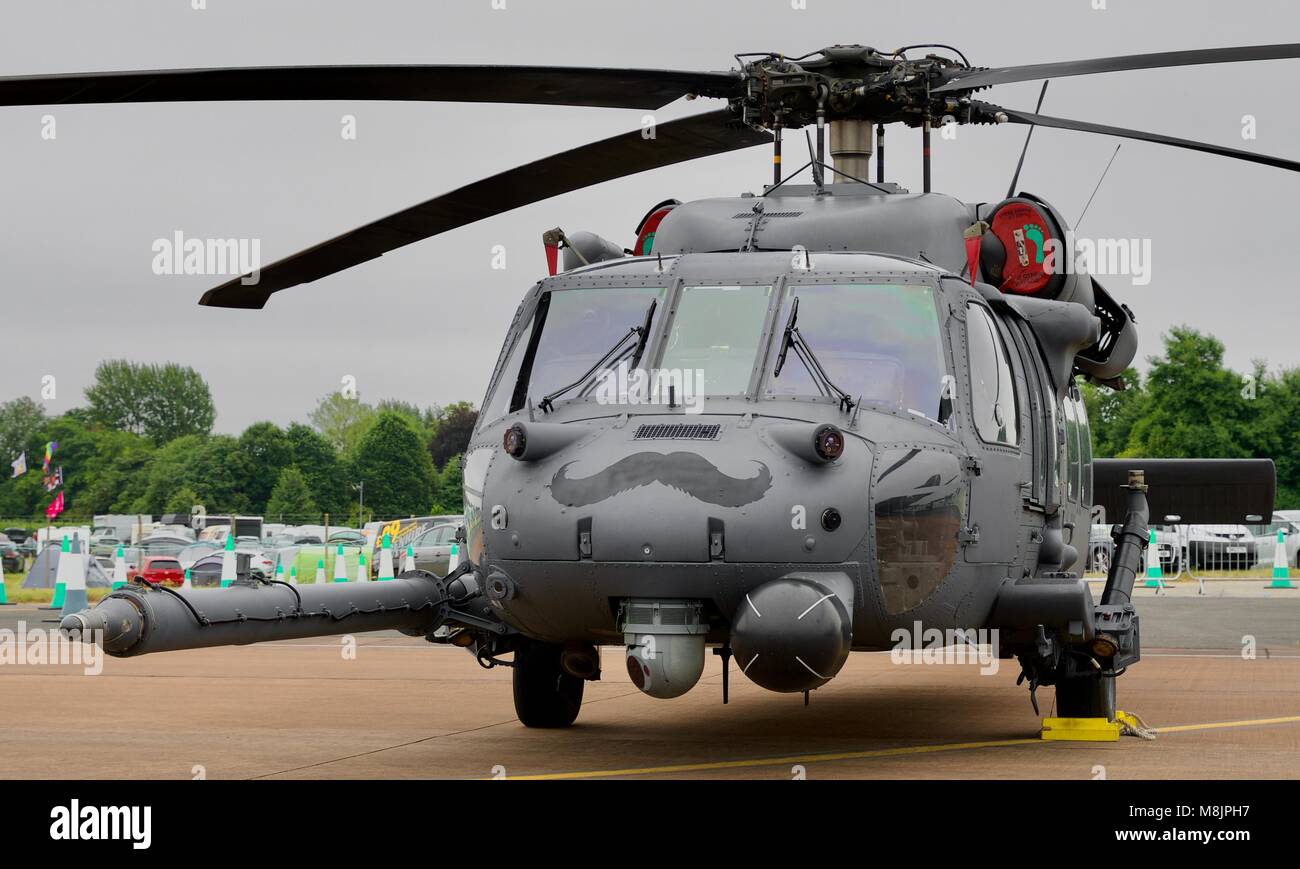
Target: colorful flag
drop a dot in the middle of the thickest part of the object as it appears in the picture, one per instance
(49, 454)
(19, 465)
(54, 480)
(56, 506)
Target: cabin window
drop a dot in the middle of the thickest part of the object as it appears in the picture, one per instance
(715, 335)
(994, 405)
(1072, 452)
(878, 342)
(1085, 448)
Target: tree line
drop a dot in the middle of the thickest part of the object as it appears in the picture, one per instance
(1189, 405)
(143, 443)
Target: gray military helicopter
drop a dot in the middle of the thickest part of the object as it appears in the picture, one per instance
(783, 426)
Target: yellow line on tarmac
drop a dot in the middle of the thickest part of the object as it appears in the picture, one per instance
(1220, 725)
(864, 755)
(781, 761)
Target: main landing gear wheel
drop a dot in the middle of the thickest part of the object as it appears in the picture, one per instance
(545, 696)
(1086, 697)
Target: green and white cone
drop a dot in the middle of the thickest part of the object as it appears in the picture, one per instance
(408, 562)
(320, 571)
(453, 560)
(279, 573)
(4, 599)
(119, 569)
(189, 580)
(386, 559)
(60, 583)
(228, 561)
(1154, 576)
(293, 574)
(340, 565)
(1281, 573)
(363, 574)
(74, 580)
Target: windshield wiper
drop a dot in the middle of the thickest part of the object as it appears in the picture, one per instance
(794, 339)
(611, 359)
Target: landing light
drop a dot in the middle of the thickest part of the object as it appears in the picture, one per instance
(514, 441)
(828, 442)
(1103, 646)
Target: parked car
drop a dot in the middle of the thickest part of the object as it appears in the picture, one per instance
(192, 553)
(104, 547)
(1221, 547)
(1287, 521)
(17, 535)
(10, 556)
(1101, 547)
(161, 569)
(347, 537)
(259, 560)
(432, 549)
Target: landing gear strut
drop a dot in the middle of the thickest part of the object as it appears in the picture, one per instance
(545, 696)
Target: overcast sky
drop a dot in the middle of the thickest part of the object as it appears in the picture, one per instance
(78, 214)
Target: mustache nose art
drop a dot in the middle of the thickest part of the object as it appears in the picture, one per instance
(687, 472)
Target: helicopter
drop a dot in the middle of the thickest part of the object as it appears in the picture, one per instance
(782, 426)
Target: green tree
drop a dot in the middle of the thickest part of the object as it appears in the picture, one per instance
(394, 463)
(1112, 414)
(159, 402)
(215, 469)
(19, 420)
(291, 498)
(343, 421)
(1195, 407)
(268, 451)
(166, 474)
(1274, 430)
(448, 488)
(182, 500)
(321, 468)
(454, 427)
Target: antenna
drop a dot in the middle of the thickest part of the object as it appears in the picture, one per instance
(1104, 172)
(1015, 179)
(816, 163)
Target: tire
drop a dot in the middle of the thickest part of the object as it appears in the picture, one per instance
(1101, 560)
(1086, 697)
(545, 696)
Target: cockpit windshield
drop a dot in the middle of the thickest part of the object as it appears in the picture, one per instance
(575, 332)
(878, 341)
(716, 332)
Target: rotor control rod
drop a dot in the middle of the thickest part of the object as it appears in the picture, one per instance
(137, 620)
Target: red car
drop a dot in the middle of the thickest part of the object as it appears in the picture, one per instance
(161, 569)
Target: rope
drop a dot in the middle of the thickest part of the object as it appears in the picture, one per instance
(1132, 724)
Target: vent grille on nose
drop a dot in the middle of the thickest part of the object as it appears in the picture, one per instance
(677, 432)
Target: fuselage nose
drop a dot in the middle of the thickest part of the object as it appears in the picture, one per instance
(713, 489)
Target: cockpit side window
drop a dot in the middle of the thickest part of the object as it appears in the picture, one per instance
(500, 397)
(994, 404)
(572, 331)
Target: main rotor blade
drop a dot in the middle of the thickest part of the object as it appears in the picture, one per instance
(1018, 117)
(1006, 74)
(541, 85)
(627, 154)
